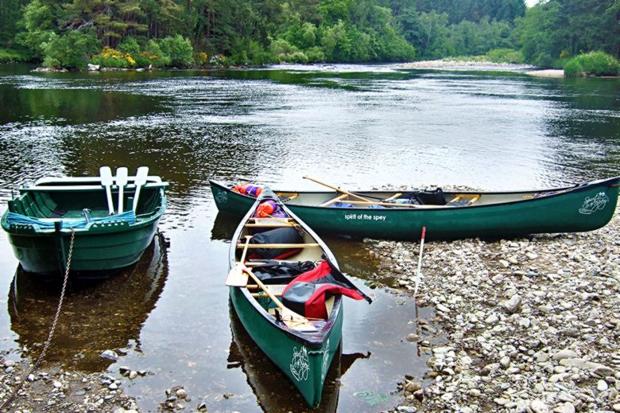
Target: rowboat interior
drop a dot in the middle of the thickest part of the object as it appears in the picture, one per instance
(299, 251)
(407, 199)
(73, 198)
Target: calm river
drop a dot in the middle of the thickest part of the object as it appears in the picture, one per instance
(358, 126)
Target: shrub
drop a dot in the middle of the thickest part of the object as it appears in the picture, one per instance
(178, 49)
(573, 69)
(113, 58)
(71, 50)
(202, 58)
(593, 63)
(155, 55)
(505, 55)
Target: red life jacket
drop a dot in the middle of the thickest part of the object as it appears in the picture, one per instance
(307, 293)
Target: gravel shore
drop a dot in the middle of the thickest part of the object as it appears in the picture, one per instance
(532, 324)
(56, 390)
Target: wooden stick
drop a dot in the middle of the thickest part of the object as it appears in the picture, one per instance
(334, 200)
(419, 273)
(391, 204)
(275, 246)
(393, 197)
(290, 318)
(337, 188)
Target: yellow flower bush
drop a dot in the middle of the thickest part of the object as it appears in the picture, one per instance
(110, 57)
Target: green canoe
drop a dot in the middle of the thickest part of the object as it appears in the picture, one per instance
(446, 215)
(40, 220)
(303, 353)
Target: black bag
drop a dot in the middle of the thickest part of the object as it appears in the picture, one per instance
(435, 197)
(276, 236)
(281, 272)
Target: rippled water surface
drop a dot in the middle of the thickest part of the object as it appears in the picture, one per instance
(358, 126)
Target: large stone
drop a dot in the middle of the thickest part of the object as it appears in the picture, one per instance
(539, 406)
(565, 354)
(513, 304)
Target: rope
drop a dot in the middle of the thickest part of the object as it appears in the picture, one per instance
(48, 342)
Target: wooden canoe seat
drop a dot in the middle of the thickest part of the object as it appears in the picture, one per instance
(276, 246)
(464, 199)
(272, 225)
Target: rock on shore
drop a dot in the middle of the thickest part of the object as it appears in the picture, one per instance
(532, 324)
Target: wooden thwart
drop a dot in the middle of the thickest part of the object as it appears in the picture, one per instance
(255, 246)
(393, 197)
(272, 225)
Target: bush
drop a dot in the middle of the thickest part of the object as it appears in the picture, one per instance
(505, 55)
(71, 50)
(593, 63)
(178, 49)
(202, 58)
(113, 58)
(155, 55)
(573, 69)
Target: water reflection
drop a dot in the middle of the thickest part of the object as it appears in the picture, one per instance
(97, 314)
(272, 388)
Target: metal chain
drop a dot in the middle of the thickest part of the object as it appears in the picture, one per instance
(50, 336)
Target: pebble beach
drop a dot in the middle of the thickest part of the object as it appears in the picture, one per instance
(531, 324)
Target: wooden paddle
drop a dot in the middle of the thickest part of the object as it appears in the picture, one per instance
(140, 180)
(121, 181)
(237, 276)
(289, 317)
(106, 180)
(338, 189)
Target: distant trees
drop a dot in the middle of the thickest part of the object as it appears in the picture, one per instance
(183, 32)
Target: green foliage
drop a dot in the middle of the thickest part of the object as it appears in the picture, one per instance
(70, 50)
(13, 56)
(555, 29)
(110, 57)
(505, 56)
(593, 63)
(178, 49)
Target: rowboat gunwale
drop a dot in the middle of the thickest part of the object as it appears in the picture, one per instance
(314, 340)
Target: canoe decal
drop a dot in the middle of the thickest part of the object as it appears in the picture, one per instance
(594, 204)
(222, 197)
(300, 364)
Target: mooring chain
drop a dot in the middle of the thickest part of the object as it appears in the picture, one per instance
(50, 336)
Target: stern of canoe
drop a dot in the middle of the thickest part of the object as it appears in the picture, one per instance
(305, 367)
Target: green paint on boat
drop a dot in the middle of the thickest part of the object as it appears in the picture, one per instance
(107, 243)
(579, 208)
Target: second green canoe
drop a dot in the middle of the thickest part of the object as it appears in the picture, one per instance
(451, 215)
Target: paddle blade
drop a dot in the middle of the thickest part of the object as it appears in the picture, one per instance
(106, 176)
(141, 177)
(121, 176)
(106, 180)
(237, 277)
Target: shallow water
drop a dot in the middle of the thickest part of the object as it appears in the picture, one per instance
(358, 126)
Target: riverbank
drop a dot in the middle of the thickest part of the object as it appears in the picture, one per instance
(532, 324)
(462, 64)
(56, 390)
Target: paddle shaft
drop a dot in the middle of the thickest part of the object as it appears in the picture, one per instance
(338, 189)
(294, 316)
(139, 181)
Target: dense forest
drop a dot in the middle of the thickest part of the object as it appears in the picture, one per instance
(181, 33)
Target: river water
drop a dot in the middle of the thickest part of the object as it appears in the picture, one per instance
(358, 126)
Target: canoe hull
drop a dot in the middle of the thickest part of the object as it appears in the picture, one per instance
(97, 251)
(570, 211)
(305, 366)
